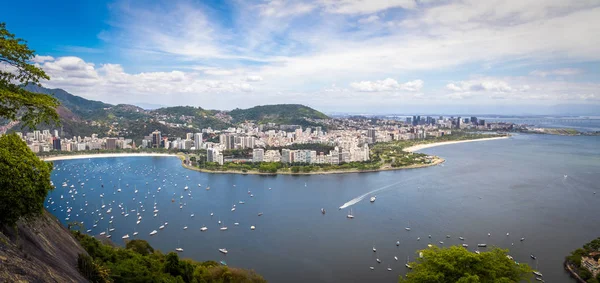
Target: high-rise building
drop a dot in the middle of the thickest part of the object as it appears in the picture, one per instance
(56, 143)
(111, 143)
(198, 140)
(156, 139)
(372, 135)
(286, 156)
(458, 120)
(258, 155)
(189, 136)
(474, 120)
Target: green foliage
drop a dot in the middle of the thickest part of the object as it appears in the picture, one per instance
(24, 180)
(457, 264)
(280, 114)
(139, 262)
(139, 246)
(92, 270)
(15, 102)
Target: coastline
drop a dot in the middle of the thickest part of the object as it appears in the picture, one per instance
(435, 162)
(104, 155)
(428, 145)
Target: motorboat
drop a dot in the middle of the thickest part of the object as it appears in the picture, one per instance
(223, 251)
(373, 198)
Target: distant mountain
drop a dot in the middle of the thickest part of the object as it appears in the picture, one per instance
(82, 117)
(279, 113)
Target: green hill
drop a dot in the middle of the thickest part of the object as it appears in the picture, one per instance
(278, 113)
(82, 117)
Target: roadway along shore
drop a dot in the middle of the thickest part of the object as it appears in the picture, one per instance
(428, 145)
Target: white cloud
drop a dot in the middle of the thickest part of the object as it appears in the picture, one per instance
(386, 85)
(218, 72)
(556, 72)
(280, 8)
(369, 19)
(41, 59)
(254, 78)
(365, 6)
(523, 88)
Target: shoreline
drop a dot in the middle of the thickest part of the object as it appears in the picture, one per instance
(435, 162)
(104, 155)
(428, 145)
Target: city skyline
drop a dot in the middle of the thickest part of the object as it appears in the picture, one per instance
(336, 56)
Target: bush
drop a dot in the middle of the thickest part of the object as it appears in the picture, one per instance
(24, 180)
(91, 270)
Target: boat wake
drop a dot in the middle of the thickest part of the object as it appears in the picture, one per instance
(361, 197)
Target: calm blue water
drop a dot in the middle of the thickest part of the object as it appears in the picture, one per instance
(590, 124)
(514, 186)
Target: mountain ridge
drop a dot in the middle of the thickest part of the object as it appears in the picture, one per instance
(81, 116)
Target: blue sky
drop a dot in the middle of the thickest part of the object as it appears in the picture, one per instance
(372, 56)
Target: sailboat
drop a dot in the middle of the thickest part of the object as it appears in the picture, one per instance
(126, 236)
(373, 198)
(407, 263)
(153, 233)
(350, 215)
(322, 210)
(203, 228)
(407, 228)
(223, 228)
(178, 249)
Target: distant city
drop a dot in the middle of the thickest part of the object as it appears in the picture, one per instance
(349, 137)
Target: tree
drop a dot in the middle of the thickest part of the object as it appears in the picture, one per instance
(24, 180)
(172, 264)
(16, 70)
(457, 264)
(140, 246)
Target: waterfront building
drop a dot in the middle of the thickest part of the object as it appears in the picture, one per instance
(258, 155)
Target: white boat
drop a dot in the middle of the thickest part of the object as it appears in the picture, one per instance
(373, 198)
(396, 258)
(179, 250)
(407, 227)
(135, 233)
(185, 188)
(203, 228)
(371, 267)
(102, 233)
(233, 209)
(407, 263)
(378, 260)
(126, 236)
(389, 268)
(350, 215)
(482, 245)
(185, 227)
(477, 252)
(153, 232)
(161, 227)
(260, 214)
(252, 227)
(397, 243)
(236, 224)
(241, 202)
(223, 250)
(538, 273)
(224, 228)
(374, 249)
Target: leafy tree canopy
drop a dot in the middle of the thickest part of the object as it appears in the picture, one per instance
(457, 264)
(24, 180)
(15, 70)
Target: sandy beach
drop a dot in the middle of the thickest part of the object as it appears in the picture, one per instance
(103, 155)
(424, 146)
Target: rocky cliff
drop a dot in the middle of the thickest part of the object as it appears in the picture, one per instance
(41, 250)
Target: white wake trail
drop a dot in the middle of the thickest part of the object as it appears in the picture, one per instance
(361, 197)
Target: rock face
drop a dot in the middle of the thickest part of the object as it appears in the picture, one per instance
(41, 250)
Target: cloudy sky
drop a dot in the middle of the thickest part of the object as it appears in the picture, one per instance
(376, 56)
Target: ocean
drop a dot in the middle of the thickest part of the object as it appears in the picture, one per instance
(538, 187)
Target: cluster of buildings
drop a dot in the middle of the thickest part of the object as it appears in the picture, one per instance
(349, 138)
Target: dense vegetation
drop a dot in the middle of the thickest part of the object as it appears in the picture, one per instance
(139, 262)
(290, 114)
(24, 180)
(457, 264)
(574, 259)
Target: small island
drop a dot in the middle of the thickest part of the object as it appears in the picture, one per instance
(584, 263)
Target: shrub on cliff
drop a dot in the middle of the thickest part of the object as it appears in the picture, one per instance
(24, 180)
